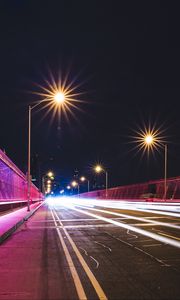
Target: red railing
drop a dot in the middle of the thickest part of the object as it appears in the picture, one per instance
(153, 190)
(13, 183)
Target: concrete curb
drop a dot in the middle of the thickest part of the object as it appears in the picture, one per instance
(6, 234)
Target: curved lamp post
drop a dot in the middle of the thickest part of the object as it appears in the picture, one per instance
(59, 98)
(99, 169)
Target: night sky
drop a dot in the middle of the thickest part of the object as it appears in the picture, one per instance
(124, 58)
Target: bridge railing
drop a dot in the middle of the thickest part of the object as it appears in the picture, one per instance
(13, 183)
(153, 190)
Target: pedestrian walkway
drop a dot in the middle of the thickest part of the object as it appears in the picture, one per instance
(11, 221)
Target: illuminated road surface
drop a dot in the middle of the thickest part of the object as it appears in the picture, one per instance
(84, 249)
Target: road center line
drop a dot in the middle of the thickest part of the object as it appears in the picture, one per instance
(86, 268)
(75, 276)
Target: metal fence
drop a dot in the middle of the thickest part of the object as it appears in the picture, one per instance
(13, 183)
(143, 191)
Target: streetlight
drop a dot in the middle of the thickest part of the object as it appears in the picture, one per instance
(58, 99)
(83, 179)
(74, 184)
(149, 142)
(99, 169)
(49, 176)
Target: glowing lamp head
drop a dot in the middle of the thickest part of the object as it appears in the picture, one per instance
(50, 174)
(74, 183)
(59, 97)
(98, 169)
(148, 139)
(82, 178)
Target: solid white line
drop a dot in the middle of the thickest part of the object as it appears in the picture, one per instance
(85, 220)
(75, 276)
(86, 268)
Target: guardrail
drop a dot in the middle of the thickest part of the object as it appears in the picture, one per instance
(13, 182)
(151, 190)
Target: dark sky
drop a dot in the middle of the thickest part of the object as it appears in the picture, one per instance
(125, 58)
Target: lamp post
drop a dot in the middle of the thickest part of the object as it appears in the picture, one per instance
(49, 176)
(99, 169)
(74, 184)
(150, 141)
(165, 170)
(83, 179)
(58, 98)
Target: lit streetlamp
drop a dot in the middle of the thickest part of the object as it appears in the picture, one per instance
(151, 141)
(58, 99)
(99, 169)
(49, 176)
(75, 184)
(84, 179)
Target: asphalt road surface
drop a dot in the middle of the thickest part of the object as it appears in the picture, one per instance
(72, 252)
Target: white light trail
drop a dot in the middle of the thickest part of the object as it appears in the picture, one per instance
(152, 235)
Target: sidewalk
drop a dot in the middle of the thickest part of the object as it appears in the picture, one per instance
(11, 221)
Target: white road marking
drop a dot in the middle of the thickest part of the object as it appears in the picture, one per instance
(86, 226)
(151, 245)
(77, 220)
(85, 220)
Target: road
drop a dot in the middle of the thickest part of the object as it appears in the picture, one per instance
(90, 250)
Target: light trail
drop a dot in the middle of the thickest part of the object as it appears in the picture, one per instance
(158, 208)
(155, 236)
(134, 218)
(69, 202)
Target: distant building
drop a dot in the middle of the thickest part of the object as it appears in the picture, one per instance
(76, 174)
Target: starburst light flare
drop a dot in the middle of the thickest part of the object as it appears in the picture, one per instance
(59, 96)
